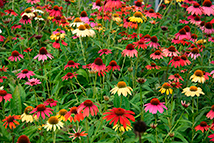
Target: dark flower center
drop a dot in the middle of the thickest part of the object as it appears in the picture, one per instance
(194, 36)
(3, 92)
(184, 57)
(202, 23)
(176, 58)
(199, 73)
(147, 36)
(58, 17)
(182, 31)
(98, 3)
(154, 39)
(50, 100)
(69, 74)
(164, 28)
(104, 50)
(158, 52)
(138, 14)
(196, 5)
(195, 50)
(56, 7)
(207, 3)
(151, 11)
(83, 14)
(91, 19)
(197, 18)
(15, 53)
(141, 43)
(119, 111)
(155, 101)
(81, 27)
(177, 75)
(88, 103)
(28, 110)
(121, 84)
(10, 119)
(212, 107)
(73, 110)
(187, 28)
(25, 17)
(113, 63)
(130, 47)
(43, 51)
(71, 62)
(203, 124)
(62, 112)
(172, 48)
(98, 61)
(25, 71)
(209, 25)
(138, 3)
(166, 85)
(77, 20)
(40, 107)
(23, 139)
(53, 120)
(153, 64)
(77, 134)
(193, 88)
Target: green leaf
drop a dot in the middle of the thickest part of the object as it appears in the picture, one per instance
(116, 101)
(16, 105)
(83, 73)
(126, 103)
(180, 136)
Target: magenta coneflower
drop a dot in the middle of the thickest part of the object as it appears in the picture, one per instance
(190, 1)
(184, 60)
(84, 17)
(1, 78)
(202, 126)
(25, 73)
(2, 38)
(175, 84)
(33, 81)
(33, 1)
(171, 51)
(10, 12)
(176, 61)
(181, 34)
(208, 28)
(43, 54)
(188, 31)
(154, 42)
(176, 77)
(88, 66)
(96, 5)
(72, 115)
(50, 102)
(98, 65)
(56, 11)
(194, 53)
(71, 64)
(157, 55)
(193, 38)
(88, 106)
(41, 110)
(130, 51)
(208, 8)
(154, 106)
(140, 44)
(210, 114)
(25, 20)
(15, 55)
(113, 65)
(196, 20)
(211, 39)
(146, 38)
(195, 9)
(15, 26)
(152, 66)
(211, 136)
(4, 95)
(116, 4)
(69, 75)
(104, 51)
(56, 44)
(183, 21)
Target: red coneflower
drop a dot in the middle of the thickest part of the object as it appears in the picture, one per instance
(195, 9)
(188, 31)
(50, 102)
(41, 110)
(193, 38)
(157, 55)
(56, 11)
(152, 66)
(73, 115)
(33, 81)
(98, 65)
(88, 66)
(176, 61)
(130, 51)
(208, 28)
(202, 126)
(56, 44)
(154, 42)
(88, 106)
(184, 60)
(181, 34)
(119, 114)
(25, 20)
(2, 38)
(140, 44)
(3, 69)
(71, 64)
(77, 134)
(175, 84)
(4, 95)
(171, 51)
(208, 8)
(28, 50)
(23, 139)
(194, 53)
(210, 114)
(1, 78)
(43, 54)
(211, 136)
(96, 5)
(113, 4)
(25, 73)
(11, 12)
(183, 21)
(15, 55)
(15, 26)
(69, 75)
(11, 121)
(176, 77)
(104, 51)
(113, 65)
(190, 1)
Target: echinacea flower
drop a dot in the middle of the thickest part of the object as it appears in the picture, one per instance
(69, 75)
(1, 78)
(33, 81)
(33, 1)
(61, 114)
(195, 20)
(184, 104)
(4, 95)
(193, 38)
(152, 66)
(208, 8)
(176, 77)
(194, 53)
(202, 126)
(121, 128)
(28, 50)
(15, 55)
(71, 64)
(154, 106)
(121, 88)
(25, 73)
(26, 115)
(28, 12)
(11, 121)
(195, 9)
(211, 136)
(210, 114)
(104, 51)
(208, 28)
(56, 11)
(96, 5)
(50, 102)
(166, 89)
(198, 76)
(113, 4)
(140, 44)
(41, 110)
(84, 16)
(43, 54)
(121, 115)
(154, 42)
(181, 34)
(157, 55)
(192, 91)
(23, 139)
(130, 51)
(176, 61)
(171, 51)
(98, 65)
(73, 115)
(53, 123)
(88, 106)
(113, 65)
(138, 17)
(56, 44)
(15, 26)
(25, 20)
(77, 134)
(139, 127)
(77, 22)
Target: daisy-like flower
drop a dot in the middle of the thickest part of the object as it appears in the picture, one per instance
(91, 32)
(58, 34)
(193, 38)
(166, 89)
(184, 104)
(171, 51)
(43, 54)
(113, 65)
(77, 134)
(84, 17)
(130, 51)
(15, 55)
(69, 75)
(121, 128)
(10, 12)
(53, 123)
(210, 114)
(195, 20)
(56, 11)
(116, 17)
(195, 9)
(96, 5)
(113, 4)
(4, 95)
(154, 42)
(98, 65)
(88, 106)
(61, 114)
(56, 44)
(208, 8)
(71, 64)
(82, 31)
(121, 115)
(73, 115)
(50, 102)
(25, 20)
(26, 116)
(157, 55)
(33, 1)
(208, 28)
(41, 110)
(176, 61)
(192, 91)
(39, 18)
(15, 26)
(11, 121)
(152, 66)
(104, 51)
(121, 88)
(138, 17)
(28, 12)
(33, 81)
(182, 34)
(194, 53)
(198, 76)
(25, 73)
(176, 77)
(77, 22)
(202, 126)
(154, 106)
(27, 50)
(140, 44)
(23, 139)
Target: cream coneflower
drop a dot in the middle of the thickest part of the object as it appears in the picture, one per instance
(61, 114)
(81, 31)
(26, 115)
(166, 88)
(52, 123)
(198, 76)
(138, 17)
(116, 18)
(77, 22)
(29, 13)
(192, 91)
(121, 88)
(91, 32)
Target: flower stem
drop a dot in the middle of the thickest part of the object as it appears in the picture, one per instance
(3, 108)
(156, 132)
(54, 136)
(122, 67)
(82, 49)
(121, 100)
(142, 104)
(86, 127)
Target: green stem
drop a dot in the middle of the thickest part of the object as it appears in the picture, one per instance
(121, 100)
(122, 67)
(83, 53)
(46, 77)
(3, 108)
(156, 132)
(54, 136)
(86, 127)
(142, 104)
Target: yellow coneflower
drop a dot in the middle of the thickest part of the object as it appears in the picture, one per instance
(192, 91)
(121, 128)
(138, 17)
(198, 76)
(166, 89)
(60, 115)
(26, 116)
(122, 88)
(53, 123)
(77, 22)
(116, 18)
(81, 31)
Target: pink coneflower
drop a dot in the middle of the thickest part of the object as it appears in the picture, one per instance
(43, 54)
(96, 5)
(195, 9)
(154, 42)
(15, 26)
(11, 12)
(196, 20)
(113, 4)
(33, 1)
(202, 126)
(208, 8)
(113, 65)
(50, 102)
(77, 134)
(184, 60)
(2, 38)
(210, 114)
(3, 69)
(98, 65)
(25, 73)
(15, 55)
(176, 61)
(41, 110)
(71, 64)
(140, 44)
(183, 21)
(4, 95)
(56, 44)
(84, 17)
(181, 34)
(193, 38)
(56, 11)
(212, 73)
(88, 66)
(130, 51)
(1, 78)
(152, 66)
(194, 53)
(184, 104)
(154, 106)
(88, 106)
(211, 39)
(188, 31)
(92, 22)
(69, 75)
(176, 77)
(157, 55)
(72, 115)
(104, 51)
(208, 28)
(190, 1)
(33, 81)
(171, 51)
(25, 20)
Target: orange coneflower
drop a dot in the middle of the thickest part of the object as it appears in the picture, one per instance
(11, 121)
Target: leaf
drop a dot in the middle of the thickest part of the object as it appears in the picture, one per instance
(116, 101)
(180, 136)
(16, 105)
(83, 73)
(126, 103)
